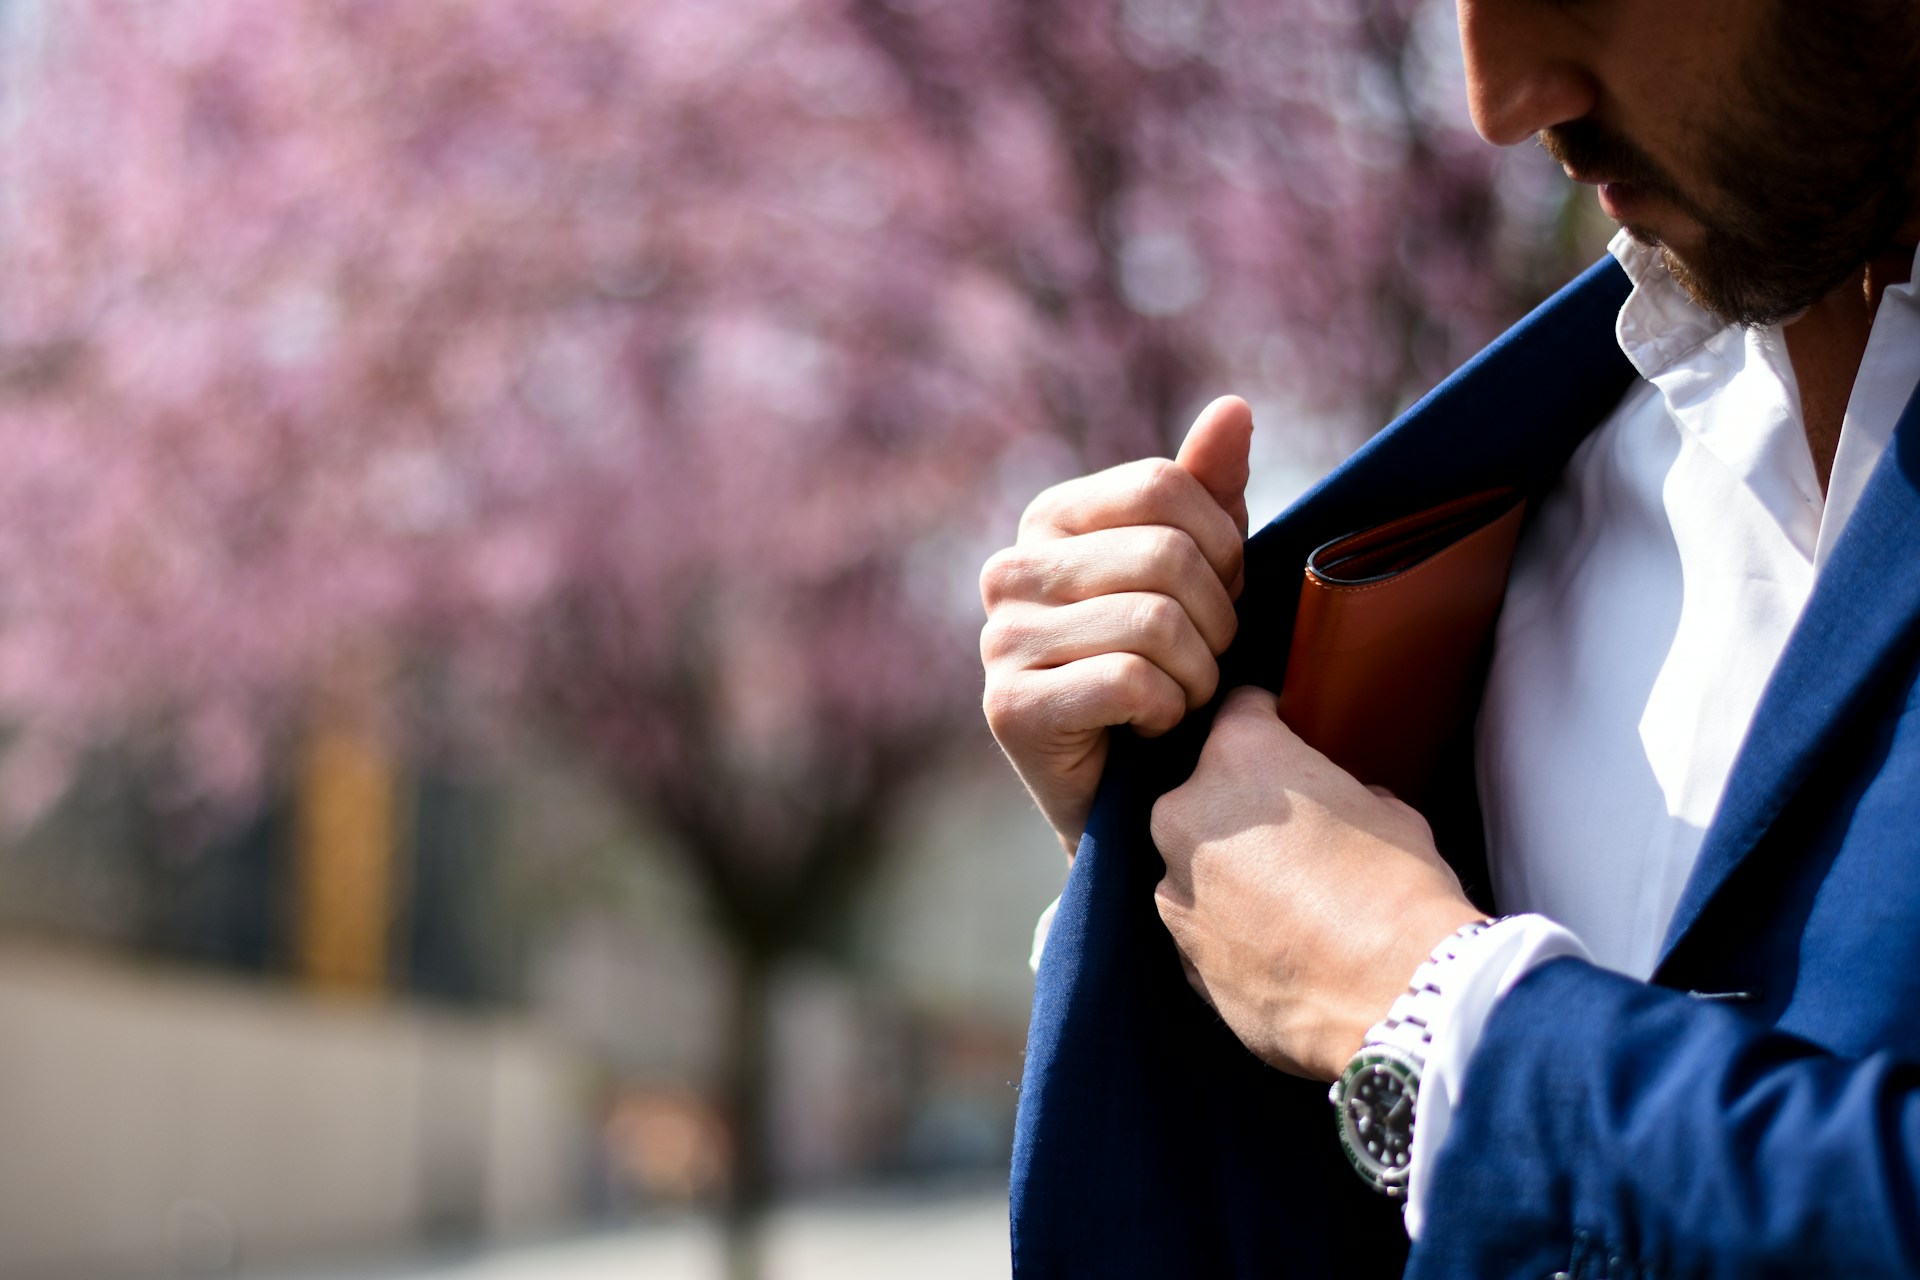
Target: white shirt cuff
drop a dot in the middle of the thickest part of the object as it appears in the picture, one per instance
(1485, 967)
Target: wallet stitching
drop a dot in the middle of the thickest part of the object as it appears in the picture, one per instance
(1383, 532)
(1360, 588)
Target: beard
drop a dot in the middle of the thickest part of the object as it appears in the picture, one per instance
(1810, 178)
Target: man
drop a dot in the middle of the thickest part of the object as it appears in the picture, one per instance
(1687, 1050)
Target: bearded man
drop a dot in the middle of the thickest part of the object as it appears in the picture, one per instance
(1691, 1044)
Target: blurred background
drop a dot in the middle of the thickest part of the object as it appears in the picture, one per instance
(490, 500)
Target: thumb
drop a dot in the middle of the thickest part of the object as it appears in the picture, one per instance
(1215, 454)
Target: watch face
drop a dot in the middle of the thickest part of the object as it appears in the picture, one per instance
(1376, 1101)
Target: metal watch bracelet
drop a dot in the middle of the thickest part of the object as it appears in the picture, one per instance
(1377, 1096)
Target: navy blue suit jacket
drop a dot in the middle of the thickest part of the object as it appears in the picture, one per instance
(1612, 1128)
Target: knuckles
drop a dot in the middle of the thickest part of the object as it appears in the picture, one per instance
(1123, 687)
(1131, 493)
(1169, 554)
(1005, 576)
(1166, 824)
(1144, 696)
(1206, 682)
(1170, 903)
(1007, 706)
(1003, 636)
(1160, 482)
(1047, 505)
(1158, 622)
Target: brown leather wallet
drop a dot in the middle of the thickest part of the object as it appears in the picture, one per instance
(1391, 639)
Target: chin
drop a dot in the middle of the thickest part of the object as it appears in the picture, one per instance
(1705, 279)
(1703, 292)
(1677, 248)
(1683, 248)
(1746, 299)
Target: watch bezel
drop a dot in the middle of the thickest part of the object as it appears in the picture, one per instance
(1376, 1060)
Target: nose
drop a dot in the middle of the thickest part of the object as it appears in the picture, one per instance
(1523, 69)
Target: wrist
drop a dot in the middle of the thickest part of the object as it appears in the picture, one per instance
(1426, 927)
(1437, 926)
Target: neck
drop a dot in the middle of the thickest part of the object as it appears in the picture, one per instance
(1827, 342)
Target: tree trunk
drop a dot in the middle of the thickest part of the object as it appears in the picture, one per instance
(745, 1075)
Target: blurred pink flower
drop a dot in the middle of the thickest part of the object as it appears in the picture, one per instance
(636, 362)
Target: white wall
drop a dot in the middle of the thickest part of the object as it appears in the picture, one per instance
(155, 1122)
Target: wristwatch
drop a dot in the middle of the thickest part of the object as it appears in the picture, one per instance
(1377, 1097)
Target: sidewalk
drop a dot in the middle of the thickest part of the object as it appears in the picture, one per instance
(950, 1236)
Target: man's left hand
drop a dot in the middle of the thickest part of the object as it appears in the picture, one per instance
(1301, 901)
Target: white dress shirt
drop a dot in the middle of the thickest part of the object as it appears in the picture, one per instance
(1651, 597)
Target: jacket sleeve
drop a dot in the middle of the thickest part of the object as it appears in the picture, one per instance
(1613, 1130)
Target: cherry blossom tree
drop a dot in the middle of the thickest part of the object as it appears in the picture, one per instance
(642, 372)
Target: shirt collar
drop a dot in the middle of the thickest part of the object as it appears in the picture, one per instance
(1730, 390)
(1659, 324)
(1697, 361)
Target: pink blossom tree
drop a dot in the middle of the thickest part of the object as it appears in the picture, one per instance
(637, 370)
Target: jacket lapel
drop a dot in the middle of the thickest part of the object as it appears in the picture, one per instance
(1857, 624)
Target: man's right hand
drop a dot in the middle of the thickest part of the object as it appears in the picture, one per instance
(1112, 607)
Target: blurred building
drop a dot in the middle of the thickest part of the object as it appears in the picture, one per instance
(165, 1122)
(181, 1095)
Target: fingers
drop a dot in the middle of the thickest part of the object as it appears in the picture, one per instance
(1154, 627)
(1151, 492)
(1112, 606)
(1139, 558)
(1046, 709)
(1216, 451)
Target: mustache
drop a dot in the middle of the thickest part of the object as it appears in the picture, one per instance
(1591, 150)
